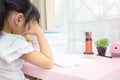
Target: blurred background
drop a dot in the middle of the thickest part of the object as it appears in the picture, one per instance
(71, 18)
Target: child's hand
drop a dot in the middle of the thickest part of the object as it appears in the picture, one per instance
(34, 28)
(28, 38)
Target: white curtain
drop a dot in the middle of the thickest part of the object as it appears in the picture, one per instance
(46, 8)
(102, 17)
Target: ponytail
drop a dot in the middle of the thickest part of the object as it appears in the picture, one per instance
(2, 14)
(21, 6)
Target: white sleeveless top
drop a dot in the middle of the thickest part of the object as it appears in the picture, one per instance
(11, 48)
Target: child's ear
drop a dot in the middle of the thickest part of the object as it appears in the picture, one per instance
(19, 19)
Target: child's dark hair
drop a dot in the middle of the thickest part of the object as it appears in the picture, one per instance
(21, 6)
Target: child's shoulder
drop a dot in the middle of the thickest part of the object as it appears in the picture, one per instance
(8, 36)
(10, 41)
(7, 39)
(13, 46)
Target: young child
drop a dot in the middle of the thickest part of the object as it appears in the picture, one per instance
(17, 18)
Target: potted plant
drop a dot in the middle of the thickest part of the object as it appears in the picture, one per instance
(101, 45)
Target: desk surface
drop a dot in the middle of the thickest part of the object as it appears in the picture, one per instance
(102, 69)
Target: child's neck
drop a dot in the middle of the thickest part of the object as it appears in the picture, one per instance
(7, 29)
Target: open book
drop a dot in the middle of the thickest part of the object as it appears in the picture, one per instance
(66, 60)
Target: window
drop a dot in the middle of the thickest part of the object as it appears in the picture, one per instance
(102, 17)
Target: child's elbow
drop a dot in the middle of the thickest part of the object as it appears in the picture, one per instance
(49, 64)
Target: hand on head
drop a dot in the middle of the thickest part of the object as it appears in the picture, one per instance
(33, 27)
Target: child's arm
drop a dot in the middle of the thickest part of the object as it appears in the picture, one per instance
(42, 58)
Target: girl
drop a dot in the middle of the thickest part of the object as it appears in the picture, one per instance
(17, 18)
